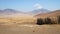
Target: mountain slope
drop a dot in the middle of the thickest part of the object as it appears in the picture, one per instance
(50, 14)
(13, 13)
(38, 11)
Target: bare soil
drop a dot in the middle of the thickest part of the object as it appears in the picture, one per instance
(29, 29)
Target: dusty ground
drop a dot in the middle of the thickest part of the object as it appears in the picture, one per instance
(29, 29)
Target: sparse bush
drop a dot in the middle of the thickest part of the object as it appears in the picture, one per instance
(40, 21)
(58, 19)
(48, 21)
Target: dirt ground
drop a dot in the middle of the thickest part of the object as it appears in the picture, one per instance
(29, 29)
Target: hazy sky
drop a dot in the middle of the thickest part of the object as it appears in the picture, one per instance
(28, 5)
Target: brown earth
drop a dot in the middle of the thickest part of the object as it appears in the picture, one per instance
(50, 14)
(29, 29)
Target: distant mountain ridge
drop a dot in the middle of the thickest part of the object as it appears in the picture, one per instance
(50, 14)
(38, 11)
(35, 13)
(12, 13)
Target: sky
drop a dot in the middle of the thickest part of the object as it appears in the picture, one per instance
(29, 5)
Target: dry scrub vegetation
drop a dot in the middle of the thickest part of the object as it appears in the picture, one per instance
(20, 25)
(18, 20)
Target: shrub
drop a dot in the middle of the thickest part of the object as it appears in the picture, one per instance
(40, 21)
(58, 19)
(48, 21)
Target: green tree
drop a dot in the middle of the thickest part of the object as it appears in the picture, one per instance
(58, 19)
(40, 21)
(48, 21)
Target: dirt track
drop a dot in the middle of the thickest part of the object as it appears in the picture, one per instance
(29, 29)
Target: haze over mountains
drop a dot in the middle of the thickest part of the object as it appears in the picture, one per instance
(50, 14)
(12, 11)
(38, 12)
(9, 11)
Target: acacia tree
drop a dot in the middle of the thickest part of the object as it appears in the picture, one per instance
(40, 21)
(58, 19)
(48, 21)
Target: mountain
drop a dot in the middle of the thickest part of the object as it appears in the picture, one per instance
(8, 11)
(38, 11)
(34, 12)
(50, 14)
(13, 13)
